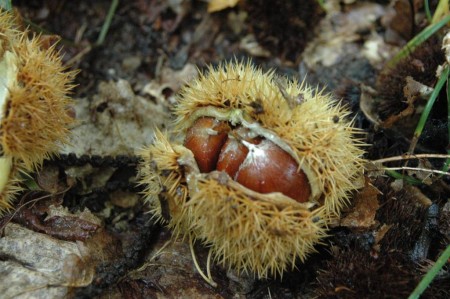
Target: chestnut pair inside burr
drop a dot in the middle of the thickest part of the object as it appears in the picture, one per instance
(251, 160)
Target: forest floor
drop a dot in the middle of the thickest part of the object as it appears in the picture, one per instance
(105, 244)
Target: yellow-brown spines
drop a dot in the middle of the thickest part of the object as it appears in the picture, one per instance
(264, 235)
(34, 105)
(259, 233)
(8, 30)
(312, 123)
(36, 121)
(9, 183)
(162, 176)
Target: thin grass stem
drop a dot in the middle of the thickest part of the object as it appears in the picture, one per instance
(426, 112)
(107, 23)
(427, 10)
(412, 157)
(431, 274)
(447, 162)
(418, 40)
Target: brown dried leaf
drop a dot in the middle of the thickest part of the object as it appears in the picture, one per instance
(366, 205)
(218, 5)
(48, 180)
(401, 22)
(417, 195)
(368, 104)
(414, 90)
(39, 266)
(171, 271)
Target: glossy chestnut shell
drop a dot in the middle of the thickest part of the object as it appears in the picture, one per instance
(254, 162)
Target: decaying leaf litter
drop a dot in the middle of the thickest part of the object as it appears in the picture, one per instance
(150, 50)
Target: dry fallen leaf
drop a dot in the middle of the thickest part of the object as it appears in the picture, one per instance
(39, 266)
(365, 209)
(218, 5)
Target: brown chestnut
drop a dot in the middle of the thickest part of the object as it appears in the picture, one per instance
(267, 168)
(234, 152)
(205, 139)
(256, 163)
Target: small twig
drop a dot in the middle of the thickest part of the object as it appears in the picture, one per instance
(418, 169)
(208, 266)
(208, 277)
(158, 253)
(75, 59)
(31, 203)
(282, 88)
(410, 157)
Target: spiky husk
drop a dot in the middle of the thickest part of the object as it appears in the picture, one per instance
(8, 31)
(264, 234)
(36, 121)
(10, 187)
(163, 180)
(312, 123)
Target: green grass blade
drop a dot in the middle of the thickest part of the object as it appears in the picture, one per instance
(441, 11)
(6, 5)
(107, 23)
(417, 40)
(447, 162)
(428, 278)
(426, 112)
(427, 10)
(398, 176)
